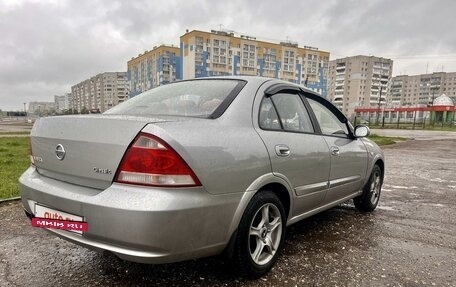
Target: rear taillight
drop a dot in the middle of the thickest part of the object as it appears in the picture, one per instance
(150, 161)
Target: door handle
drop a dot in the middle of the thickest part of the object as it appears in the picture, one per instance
(335, 150)
(282, 150)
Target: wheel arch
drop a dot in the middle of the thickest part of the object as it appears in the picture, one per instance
(279, 185)
(281, 192)
(381, 163)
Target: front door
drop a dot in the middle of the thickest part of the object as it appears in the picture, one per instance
(349, 156)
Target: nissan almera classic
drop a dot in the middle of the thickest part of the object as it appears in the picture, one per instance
(199, 167)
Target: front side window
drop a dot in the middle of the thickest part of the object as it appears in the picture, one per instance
(285, 112)
(198, 98)
(329, 123)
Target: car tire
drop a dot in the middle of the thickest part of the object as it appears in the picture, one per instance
(260, 235)
(368, 200)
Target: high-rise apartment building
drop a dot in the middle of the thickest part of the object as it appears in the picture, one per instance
(219, 53)
(153, 68)
(359, 81)
(40, 108)
(421, 89)
(62, 103)
(100, 93)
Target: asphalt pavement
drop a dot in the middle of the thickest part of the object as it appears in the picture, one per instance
(410, 240)
(12, 126)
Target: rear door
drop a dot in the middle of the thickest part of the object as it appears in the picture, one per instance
(348, 155)
(297, 153)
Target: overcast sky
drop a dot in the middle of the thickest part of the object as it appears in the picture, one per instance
(48, 46)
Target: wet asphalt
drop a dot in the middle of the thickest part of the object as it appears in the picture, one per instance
(410, 240)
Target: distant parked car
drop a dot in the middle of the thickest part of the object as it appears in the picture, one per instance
(198, 167)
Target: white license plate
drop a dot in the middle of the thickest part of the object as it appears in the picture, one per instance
(49, 213)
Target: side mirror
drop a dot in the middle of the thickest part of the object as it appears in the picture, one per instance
(361, 131)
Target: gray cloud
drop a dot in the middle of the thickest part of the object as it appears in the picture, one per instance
(47, 46)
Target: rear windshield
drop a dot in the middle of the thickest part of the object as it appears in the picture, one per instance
(199, 98)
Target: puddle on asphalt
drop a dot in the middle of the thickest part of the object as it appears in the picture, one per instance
(398, 187)
(383, 207)
(403, 187)
(435, 204)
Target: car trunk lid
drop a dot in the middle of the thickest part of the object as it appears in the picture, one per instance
(84, 150)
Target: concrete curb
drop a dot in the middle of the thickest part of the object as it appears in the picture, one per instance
(10, 199)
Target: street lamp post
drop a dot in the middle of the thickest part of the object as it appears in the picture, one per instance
(25, 113)
(379, 103)
(432, 107)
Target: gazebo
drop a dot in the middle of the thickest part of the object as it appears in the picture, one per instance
(444, 111)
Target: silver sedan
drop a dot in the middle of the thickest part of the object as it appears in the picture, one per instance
(196, 168)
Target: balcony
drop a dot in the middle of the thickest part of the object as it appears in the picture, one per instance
(340, 78)
(339, 73)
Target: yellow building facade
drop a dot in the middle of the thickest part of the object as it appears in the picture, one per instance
(153, 68)
(219, 53)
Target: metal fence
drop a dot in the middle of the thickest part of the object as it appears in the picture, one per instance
(405, 123)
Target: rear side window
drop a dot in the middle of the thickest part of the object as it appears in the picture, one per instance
(269, 120)
(198, 98)
(285, 112)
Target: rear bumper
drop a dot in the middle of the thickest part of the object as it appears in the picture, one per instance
(140, 224)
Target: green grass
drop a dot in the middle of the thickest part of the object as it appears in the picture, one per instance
(14, 133)
(428, 127)
(14, 160)
(381, 140)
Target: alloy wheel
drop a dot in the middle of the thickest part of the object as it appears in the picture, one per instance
(375, 187)
(265, 234)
